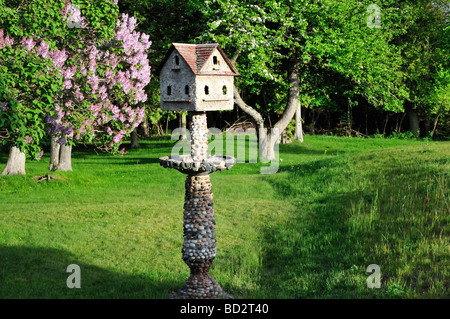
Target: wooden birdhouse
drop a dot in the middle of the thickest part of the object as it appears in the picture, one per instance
(196, 77)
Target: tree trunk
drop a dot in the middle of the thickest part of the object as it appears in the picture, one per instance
(134, 139)
(60, 155)
(267, 143)
(291, 108)
(65, 158)
(183, 125)
(385, 123)
(426, 127)
(145, 126)
(413, 119)
(298, 124)
(54, 154)
(267, 140)
(312, 124)
(256, 117)
(16, 162)
(436, 121)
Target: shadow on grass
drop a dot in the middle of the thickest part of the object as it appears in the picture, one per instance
(299, 149)
(311, 253)
(120, 161)
(308, 168)
(140, 160)
(3, 155)
(292, 186)
(301, 255)
(29, 272)
(84, 151)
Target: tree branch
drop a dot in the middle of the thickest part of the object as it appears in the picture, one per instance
(235, 56)
(247, 109)
(293, 95)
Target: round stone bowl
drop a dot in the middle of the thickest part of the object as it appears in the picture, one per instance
(185, 164)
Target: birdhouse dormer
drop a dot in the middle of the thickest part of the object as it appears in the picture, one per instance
(196, 77)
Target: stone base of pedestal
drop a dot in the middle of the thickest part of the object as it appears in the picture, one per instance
(202, 286)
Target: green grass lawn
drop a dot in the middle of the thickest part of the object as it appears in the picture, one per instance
(336, 206)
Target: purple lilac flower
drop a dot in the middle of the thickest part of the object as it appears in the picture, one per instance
(79, 95)
(69, 72)
(67, 130)
(67, 84)
(83, 70)
(102, 89)
(50, 120)
(118, 137)
(65, 11)
(58, 57)
(5, 40)
(28, 139)
(4, 105)
(75, 20)
(93, 59)
(40, 155)
(9, 40)
(28, 43)
(43, 49)
(93, 81)
(105, 118)
(145, 40)
(109, 75)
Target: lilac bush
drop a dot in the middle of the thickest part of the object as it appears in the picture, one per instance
(104, 88)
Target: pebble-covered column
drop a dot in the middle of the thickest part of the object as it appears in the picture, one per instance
(198, 129)
(199, 246)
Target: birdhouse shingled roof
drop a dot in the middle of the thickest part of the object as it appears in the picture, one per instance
(196, 55)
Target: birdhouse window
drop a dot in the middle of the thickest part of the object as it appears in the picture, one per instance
(177, 60)
(224, 90)
(206, 90)
(169, 90)
(215, 61)
(186, 89)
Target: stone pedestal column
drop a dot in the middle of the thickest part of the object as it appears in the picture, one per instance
(199, 247)
(198, 128)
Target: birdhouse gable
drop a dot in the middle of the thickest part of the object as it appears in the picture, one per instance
(216, 63)
(175, 62)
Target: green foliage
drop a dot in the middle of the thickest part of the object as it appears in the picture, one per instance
(28, 84)
(404, 135)
(290, 130)
(425, 54)
(44, 19)
(439, 98)
(331, 39)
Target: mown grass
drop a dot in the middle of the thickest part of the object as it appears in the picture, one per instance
(335, 206)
